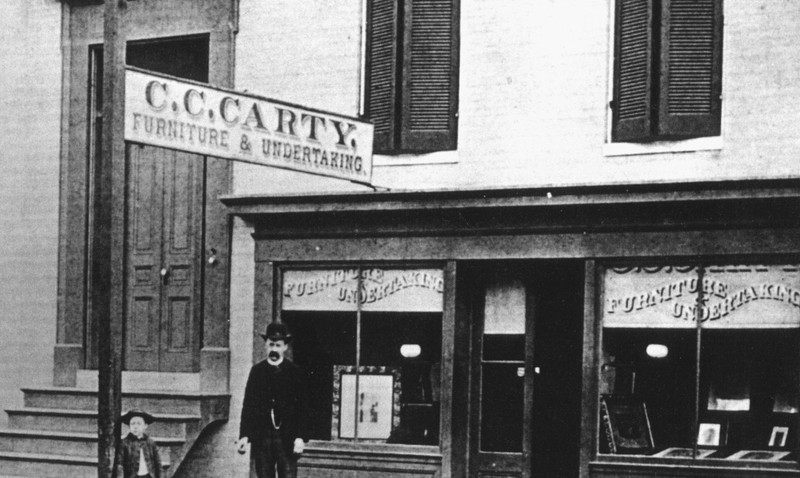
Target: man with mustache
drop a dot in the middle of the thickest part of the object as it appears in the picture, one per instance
(275, 409)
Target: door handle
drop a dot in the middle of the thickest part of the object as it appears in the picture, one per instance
(164, 272)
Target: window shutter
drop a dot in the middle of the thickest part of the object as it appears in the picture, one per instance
(382, 73)
(691, 68)
(430, 86)
(633, 71)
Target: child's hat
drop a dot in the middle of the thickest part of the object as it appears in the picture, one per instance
(126, 419)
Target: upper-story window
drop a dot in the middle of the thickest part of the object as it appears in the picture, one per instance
(667, 69)
(412, 74)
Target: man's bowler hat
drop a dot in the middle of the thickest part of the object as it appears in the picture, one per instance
(126, 419)
(277, 331)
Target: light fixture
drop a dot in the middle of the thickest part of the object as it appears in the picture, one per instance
(657, 350)
(410, 350)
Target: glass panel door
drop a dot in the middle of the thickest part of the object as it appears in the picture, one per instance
(503, 385)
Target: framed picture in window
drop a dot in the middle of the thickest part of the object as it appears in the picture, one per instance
(711, 435)
(779, 437)
(626, 425)
(761, 455)
(678, 452)
(366, 402)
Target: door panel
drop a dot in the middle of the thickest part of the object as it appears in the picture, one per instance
(144, 261)
(183, 173)
(165, 240)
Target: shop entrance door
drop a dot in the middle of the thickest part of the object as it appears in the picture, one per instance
(526, 374)
(164, 241)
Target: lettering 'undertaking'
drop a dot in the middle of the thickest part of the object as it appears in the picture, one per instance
(167, 112)
(723, 297)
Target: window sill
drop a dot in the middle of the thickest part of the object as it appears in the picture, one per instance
(712, 143)
(619, 462)
(385, 449)
(440, 157)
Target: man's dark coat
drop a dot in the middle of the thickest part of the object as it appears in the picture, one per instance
(284, 386)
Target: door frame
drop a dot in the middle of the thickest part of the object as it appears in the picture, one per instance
(510, 463)
(75, 346)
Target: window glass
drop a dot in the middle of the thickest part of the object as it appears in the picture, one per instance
(370, 340)
(501, 408)
(738, 326)
(320, 341)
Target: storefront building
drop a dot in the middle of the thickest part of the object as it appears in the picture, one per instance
(566, 332)
(571, 252)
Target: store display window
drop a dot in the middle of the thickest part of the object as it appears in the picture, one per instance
(370, 340)
(701, 362)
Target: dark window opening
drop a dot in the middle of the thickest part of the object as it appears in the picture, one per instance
(185, 57)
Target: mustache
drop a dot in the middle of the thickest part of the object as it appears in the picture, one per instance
(274, 355)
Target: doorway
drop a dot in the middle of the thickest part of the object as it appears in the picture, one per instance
(165, 228)
(526, 370)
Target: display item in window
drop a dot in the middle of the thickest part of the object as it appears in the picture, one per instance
(626, 424)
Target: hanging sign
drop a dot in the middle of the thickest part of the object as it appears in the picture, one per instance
(397, 290)
(177, 114)
(751, 296)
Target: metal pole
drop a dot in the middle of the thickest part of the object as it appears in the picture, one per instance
(108, 239)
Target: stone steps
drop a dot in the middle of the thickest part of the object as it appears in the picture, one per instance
(70, 443)
(54, 433)
(47, 465)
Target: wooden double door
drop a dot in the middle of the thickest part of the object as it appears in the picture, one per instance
(164, 241)
(527, 337)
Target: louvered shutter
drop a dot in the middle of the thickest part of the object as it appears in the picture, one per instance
(633, 71)
(691, 68)
(430, 63)
(381, 78)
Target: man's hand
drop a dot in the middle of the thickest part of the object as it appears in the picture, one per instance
(241, 445)
(299, 446)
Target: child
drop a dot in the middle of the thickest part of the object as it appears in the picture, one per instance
(137, 456)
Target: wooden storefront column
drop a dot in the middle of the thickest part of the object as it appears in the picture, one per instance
(108, 228)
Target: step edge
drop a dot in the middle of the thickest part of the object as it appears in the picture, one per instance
(138, 393)
(56, 458)
(74, 436)
(92, 414)
(48, 458)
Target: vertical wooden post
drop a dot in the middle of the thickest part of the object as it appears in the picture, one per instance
(108, 229)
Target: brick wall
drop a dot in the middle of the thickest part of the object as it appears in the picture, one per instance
(30, 108)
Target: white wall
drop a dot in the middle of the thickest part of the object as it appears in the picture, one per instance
(30, 109)
(308, 53)
(534, 90)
